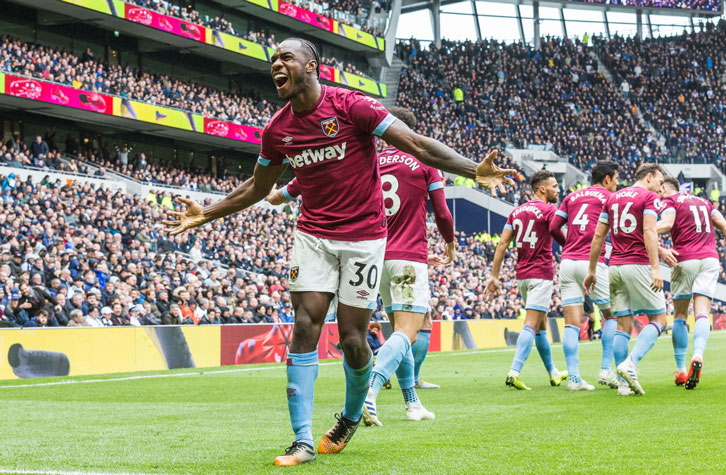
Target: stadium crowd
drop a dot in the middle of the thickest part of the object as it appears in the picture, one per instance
(67, 247)
(350, 12)
(679, 84)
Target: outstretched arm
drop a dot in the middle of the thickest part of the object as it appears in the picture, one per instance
(244, 196)
(444, 223)
(437, 155)
(494, 284)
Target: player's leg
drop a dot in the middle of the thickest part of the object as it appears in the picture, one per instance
(539, 296)
(601, 297)
(679, 335)
(572, 300)
(313, 281)
(645, 301)
(410, 323)
(682, 278)
(621, 311)
(419, 350)
(389, 355)
(524, 340)
(704, 288)
(360, 269)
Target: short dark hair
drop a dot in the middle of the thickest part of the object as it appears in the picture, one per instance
(673, 183)
(602, 169)
(647, 168)
(312, 49)
(539, 177)
(404, 115)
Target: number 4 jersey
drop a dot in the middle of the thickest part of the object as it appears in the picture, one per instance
(692, 232)
(624, 212)
(406, 184)
(530, 223)
(582, 210)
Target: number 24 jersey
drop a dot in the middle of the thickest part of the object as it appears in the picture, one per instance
(532, 239)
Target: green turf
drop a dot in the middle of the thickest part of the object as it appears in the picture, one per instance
(237, 422)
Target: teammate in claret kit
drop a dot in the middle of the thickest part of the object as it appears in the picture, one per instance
(327, 135)
(529, 226)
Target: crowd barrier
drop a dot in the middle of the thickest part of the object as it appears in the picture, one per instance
(47, 352)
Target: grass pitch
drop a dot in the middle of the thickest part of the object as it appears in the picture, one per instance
(235, 421)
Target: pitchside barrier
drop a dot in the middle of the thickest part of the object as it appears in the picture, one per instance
(47, 352)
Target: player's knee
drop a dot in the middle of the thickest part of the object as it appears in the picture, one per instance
(354, 346)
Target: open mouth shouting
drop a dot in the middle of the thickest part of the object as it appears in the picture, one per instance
(280, 80)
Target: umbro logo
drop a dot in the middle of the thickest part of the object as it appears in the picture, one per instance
(287, 139)
(363, 293)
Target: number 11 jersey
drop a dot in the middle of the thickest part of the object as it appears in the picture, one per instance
(692, 232)
(531, 225)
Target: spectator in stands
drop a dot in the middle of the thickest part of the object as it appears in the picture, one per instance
(77, 319)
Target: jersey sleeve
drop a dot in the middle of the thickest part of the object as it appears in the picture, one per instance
(368, 114)
(651, 204)
(605, 211)
(270, 155)
(291, 190)
(562, 212)
(508, 224)
(667, 206)
(434, 180)
(711, 209)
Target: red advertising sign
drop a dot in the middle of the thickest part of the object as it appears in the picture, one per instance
(57, 94)
(268, 343)
(222, 128)
(327, 73)
(307, 16)
(164, 23)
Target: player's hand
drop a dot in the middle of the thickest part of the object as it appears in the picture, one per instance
(491, 176)
(668, 256)
(656, 280)
(450, 250)
(493, 287)
(435, 260)
(191, 218)
(276, 197)
(589, 284)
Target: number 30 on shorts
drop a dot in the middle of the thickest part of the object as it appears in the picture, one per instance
(371, 276)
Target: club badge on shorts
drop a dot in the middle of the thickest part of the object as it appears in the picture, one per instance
(330, 126)
(294, 273)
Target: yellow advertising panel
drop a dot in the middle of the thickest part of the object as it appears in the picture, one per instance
(361, 37)
(113, 7)
(484, 333)
(47, 352)
(2, 83)
(152, 114)
(366, 85)
(240, 46)
(269, 4)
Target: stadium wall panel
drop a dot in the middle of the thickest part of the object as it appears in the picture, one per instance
(45, 352)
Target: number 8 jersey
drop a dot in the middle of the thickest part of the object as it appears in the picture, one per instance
(624, 212)
(406, 184)
(530, 223)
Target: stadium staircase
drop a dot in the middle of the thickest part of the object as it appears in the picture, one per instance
(390, 77)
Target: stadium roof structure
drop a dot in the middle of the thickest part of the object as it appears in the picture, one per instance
(641, 9)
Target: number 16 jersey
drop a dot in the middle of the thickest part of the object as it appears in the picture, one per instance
(531, 225)
(624, 212)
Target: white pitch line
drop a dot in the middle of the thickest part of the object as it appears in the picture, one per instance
(62, 472)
